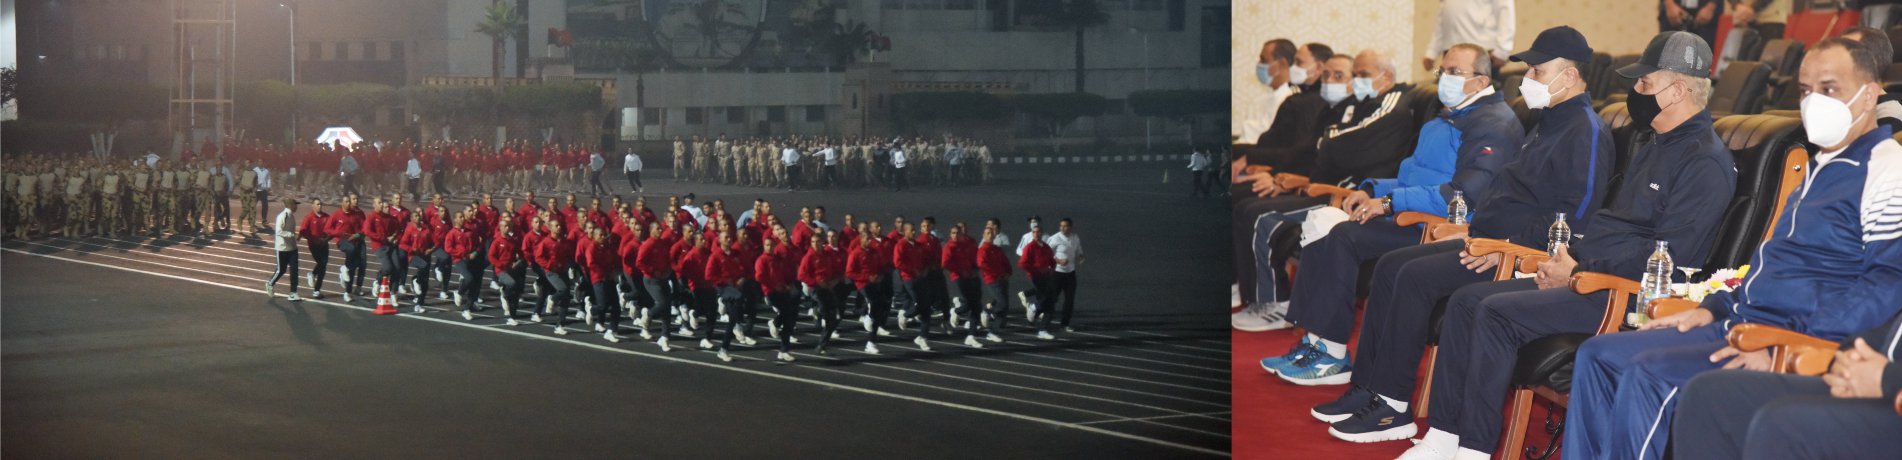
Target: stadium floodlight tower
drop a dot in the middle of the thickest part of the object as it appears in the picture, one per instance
(204, 46)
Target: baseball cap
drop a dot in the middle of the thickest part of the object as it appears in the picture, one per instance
(1676, 51)
(1557, 42)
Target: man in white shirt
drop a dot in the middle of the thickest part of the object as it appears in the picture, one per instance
(1198, 172)
(1068, 249)
(898, 168)
(284, 239)
(1272, 69)
(412, 175)
(831, 156)
(789, 156)
(631, 165)
(595, 164)
(263, 191)
(1487, 23)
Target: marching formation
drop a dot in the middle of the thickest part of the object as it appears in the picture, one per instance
(820, 162)
(689, 269)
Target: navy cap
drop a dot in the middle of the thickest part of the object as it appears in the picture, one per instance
(1557, 42)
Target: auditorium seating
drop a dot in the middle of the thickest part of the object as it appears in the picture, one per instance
(1783, 57)
(1740, 89)
(1613, 88)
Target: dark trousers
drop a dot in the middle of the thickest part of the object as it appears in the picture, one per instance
(409, 184)
(1042, 285)
(1623, 386)
(831, 175)
(594, 183)
(387, 266)
(703, 303)
(634, 180)
(349, 184)
(221, 209)
(435, 182)
(792, 177)
(1394, 331)
(264, 205)
(1323, 299)
(1731, 414)
(353, 264)
(898, 179)
(512, 281)
(423, 268)
(969, 290)
(470, 285)
(1484, 326)
(785, 315)
(737, 309)
(997, 302)
(1063, 286)
(663, 308)
(286, 265)
(920, 289)
(1247, 212)
(878, 299)
(604, 301)
(561, 291)
(319, 255)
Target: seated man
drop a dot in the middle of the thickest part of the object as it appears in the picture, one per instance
(1833, 267)
(1544, 179)
(1848, 413)
(1297, 125)
(1368, 139)
(1674, 193)
(1459, 152)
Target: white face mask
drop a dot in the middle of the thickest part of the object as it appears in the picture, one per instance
(1827, 120)
(1333, 93)
(1538, 95)
(1298, 75)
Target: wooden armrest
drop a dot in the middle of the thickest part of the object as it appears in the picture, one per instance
(1518, 258)
(1334, 194)
(1437, 231)
(1621, 292)
(1257, 169)
(1670, 306)
(1291, 181)
(1790, 351)
(1407, 218)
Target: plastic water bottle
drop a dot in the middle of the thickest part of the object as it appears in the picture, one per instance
(1656, 283)
(1456, 209)
(1558, 235)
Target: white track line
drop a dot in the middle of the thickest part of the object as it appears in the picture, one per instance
(1158, 417)
(711, 365)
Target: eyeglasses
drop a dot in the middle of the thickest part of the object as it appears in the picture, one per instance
(1454, 72)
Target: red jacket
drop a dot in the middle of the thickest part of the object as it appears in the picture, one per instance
(959, 258)
(656, 258)
(801, 234)
(315, 227)
(692, 267)
(503, 253)
(1038, 259)
(821, 265)
(629, 251)
(771, 273)
(992, 262)
(746, 253)
(458, 245)
(866, 264)
(909, 257)
(600, 259)
(401, 214)
(724, 267)
(380, 228)
(346, 223)
(556, 253)
(932, 248)
(416, 241)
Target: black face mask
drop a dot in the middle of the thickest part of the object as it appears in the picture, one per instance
(1643, 108)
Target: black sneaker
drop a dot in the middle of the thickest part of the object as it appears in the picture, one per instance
(1374, 422)
(1340, 409)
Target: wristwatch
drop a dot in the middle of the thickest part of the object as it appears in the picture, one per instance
(1386, 202)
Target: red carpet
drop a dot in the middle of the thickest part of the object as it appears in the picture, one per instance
(1271, 415)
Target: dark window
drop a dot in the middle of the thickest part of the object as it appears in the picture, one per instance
(776, 114)
(396, 51)
(696, 115)
(815, 113)
(652, 116)
(855, 101)
(736, 115)
(316, 50)
(343, 51)
(1178, 14)
(1215, 37)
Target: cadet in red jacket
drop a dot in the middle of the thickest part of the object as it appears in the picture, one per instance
(993, 262)
(747, 250)
(347, 227)
(657, 271)
(381, 230)
(628, 249)
(556, 255)
(505, 255)
(909, 257)
(315, 231)
(959, 259)
(933, 297)
(1039, 262)
(867, 267)
(690, 266)
(776, 283)
(726, 271)
(603, 264)
(461, 247)
(417, 240)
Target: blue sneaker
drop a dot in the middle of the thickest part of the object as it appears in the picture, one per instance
(1273, 364)
(1374, 422)
(1340, 409)
(1316, 367)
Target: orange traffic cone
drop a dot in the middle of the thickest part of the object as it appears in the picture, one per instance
(385, 305)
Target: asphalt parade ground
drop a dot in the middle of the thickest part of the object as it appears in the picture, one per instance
(142, 347)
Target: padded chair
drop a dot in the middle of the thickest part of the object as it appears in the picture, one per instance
(1783, 57)
(1770, 30)
(1595, 71)
(1614, 87)
(1740, 89)
(1543, 370)
(1528, 117)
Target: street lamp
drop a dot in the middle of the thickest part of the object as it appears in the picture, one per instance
(1148, 141)
(292, 8)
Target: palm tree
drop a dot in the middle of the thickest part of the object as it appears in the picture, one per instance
(500, 23)
(847, 40)
(1079, 15)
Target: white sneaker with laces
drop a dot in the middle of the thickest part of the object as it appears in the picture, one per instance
(1045, 335)
(922, 343)
(611, 337)
(1260, 317)
(663, 344)
(346, 297)
(723, 356)
(270, 291)
(866, 320)
(535, 318)
(993, 338)
(295, 298)
(784, 356)
(561, 330)
(512, 322)
(871, 348)
(706, 344)
(971, 341)
(468, 315)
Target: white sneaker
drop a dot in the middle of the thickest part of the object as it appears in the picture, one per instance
(971, 341)
(458, 299)
(561, 330)
(706, 344)
(882, 332)
(444, 295)
(784, 356)
(512, 322)
(646, 335)
(1045, 335)
(866, 320)
(535, 318)
(419, 309)
(1425, 451)
(1261, 317)
(468, 315)
(955, 317)
(922, 343)
(600, 328)
(346, 297)
(693, 322)
(493, 285)
(611, 337)
(684, 332)
(993, 338)
(871, 348)
(316, 294)
(835, 335)
(663, 344)
(723, 356)
(295, 298)
(793, 340)
(270, 291)
(748, 341)
(723, 318)
(772, 330)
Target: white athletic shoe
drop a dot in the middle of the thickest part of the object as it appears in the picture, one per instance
(835, 335)
(1260, 317)
(346, 297)
(444, 295)
(971, 341)
(535, 318)
(1425, 451)
(561, 330)
(871, 348)
(458, 299)
(270, 291)
(663, 344)
(922, 343)
(956, 319)
(706, 344)
(418, 309)
(723, 317)
(468, 315)
(684, 332)
(723, 356)
(1045, 335)
(793, 340)
(494, 285)
(993, 338)
(600, 328)
(294, 297)
(316, 294)
(611, 337)
(748, 341)
(512, 322)
(644, 334)
(784, 356)
(866, 320)
(772, 330)
(882, 332)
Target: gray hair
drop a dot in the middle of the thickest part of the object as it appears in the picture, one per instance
(1699, 87)
(1482, 62)
(1383, 60)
